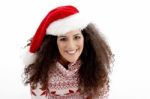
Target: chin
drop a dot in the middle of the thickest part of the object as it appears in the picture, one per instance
(72, 60)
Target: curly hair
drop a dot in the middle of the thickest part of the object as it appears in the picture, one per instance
(95, 68)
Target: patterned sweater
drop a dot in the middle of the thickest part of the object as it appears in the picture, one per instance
(63, 84)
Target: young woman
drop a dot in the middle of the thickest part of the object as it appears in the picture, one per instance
(68, 58)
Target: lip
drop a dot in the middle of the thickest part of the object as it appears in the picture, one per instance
(71, 52)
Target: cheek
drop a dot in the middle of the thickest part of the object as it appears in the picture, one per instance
(81, 43)
(60, 47)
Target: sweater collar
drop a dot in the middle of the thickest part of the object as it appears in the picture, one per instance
(72, 68)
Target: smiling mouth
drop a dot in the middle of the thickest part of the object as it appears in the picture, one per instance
(71, 52)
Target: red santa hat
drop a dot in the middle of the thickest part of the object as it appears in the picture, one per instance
(58, 21)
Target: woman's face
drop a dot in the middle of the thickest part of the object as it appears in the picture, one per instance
(70, 45)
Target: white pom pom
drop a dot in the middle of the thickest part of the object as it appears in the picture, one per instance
(28, 57)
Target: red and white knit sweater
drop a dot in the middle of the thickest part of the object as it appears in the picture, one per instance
(63, 84)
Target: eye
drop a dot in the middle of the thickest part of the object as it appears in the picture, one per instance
(77, 37)
(63, 39)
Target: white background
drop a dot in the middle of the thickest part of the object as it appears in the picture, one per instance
(125, 24)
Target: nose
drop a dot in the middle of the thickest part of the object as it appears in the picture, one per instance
(71, 44)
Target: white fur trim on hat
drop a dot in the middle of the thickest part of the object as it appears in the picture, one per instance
(62, 26)
(28, 57)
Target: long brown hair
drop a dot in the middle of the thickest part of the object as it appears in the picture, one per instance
(96, 59)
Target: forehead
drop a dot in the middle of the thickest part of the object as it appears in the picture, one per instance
(71, 33)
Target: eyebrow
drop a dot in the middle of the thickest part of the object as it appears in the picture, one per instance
(73, 35)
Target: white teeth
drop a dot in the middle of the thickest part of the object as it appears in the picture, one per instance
(71, 52)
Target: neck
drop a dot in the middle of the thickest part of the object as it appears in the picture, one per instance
(63, 62)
